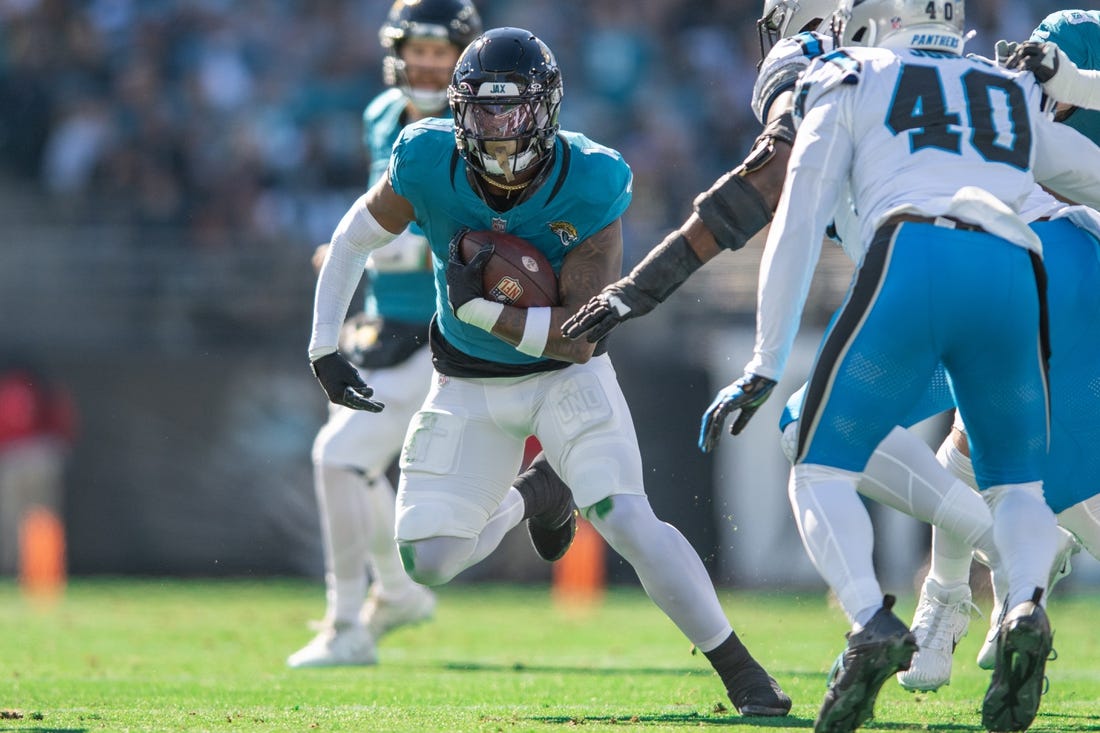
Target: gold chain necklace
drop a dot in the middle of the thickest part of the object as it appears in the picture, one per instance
(503, 186)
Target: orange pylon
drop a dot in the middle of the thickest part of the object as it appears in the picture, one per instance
(580, 576)
(42, 570)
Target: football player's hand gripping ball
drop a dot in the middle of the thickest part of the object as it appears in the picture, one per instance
(620, 301)
(465, 279)
(746, 395)
(342, 383)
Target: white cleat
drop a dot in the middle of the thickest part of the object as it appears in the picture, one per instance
(940, 621)
(1068, 546)
(336, 645)
(382, 614)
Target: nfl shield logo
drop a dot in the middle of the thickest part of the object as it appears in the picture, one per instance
(507, 290)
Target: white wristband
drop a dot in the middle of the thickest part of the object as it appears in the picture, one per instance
(480, 312)
(536, 331)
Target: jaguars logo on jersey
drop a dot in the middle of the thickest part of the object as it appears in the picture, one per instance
(566, 232)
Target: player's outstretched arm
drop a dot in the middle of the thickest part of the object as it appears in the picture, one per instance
(726, 216)
(371, 222)
(1060, 77)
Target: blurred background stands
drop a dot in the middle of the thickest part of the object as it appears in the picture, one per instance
(167, 168)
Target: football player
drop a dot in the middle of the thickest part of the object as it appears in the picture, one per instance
(353, 450)
(739, 205)
(885, 124)
(901, 472)
(503, 372)
(1072, 477)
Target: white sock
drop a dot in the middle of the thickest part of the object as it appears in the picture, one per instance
(951, 559)
(838, 536)
(385, 561)
(668, 567)
(1027, 537)
(342, 504)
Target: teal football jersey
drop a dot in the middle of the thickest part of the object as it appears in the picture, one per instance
(588, 187)
(400, 285)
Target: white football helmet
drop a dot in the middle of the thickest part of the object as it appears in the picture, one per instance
(934, 25)
(783, 18)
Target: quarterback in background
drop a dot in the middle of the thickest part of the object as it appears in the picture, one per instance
(352, 451)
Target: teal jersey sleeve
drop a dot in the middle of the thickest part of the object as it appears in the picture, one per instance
(381, 126)
(401, 283)
(587, 188)
(1077, 33)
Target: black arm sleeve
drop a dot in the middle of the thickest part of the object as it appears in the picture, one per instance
(666, 267)
(732, 208)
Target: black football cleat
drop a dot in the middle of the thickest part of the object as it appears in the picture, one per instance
(548, 509)
(755, 693)
(552, 541)
(1024, 641)
(874, 654)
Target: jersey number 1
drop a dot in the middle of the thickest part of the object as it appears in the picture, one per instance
(920, 108)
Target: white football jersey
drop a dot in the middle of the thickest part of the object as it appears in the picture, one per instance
(917, 127)
(908, 131)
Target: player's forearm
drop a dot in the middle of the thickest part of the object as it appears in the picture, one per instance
(537, 332)
(336, 283)
(1072, 85)
(357, 235)
(726, 216)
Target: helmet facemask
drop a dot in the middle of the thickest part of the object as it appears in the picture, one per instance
(430, 99)
(504, 135)
(505, 97)
(784, 18)
(453, 21)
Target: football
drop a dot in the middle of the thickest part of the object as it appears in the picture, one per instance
(517, 274)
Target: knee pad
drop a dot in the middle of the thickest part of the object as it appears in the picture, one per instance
(434, 561)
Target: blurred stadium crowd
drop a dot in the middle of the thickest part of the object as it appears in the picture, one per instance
(168, 166)
(239, 120)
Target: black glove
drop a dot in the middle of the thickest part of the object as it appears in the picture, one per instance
(342, 383)
(746, 394)
(618, 302)
(464, 279)
(1041, 59)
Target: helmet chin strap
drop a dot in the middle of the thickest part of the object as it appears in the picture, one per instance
(505, 165)
(500, 163)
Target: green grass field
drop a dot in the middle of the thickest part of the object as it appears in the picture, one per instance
(180, 655)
